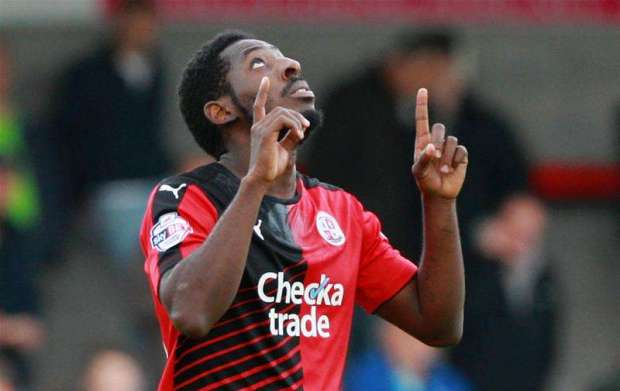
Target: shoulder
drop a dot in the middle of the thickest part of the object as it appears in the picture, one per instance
(180, 201)
(328, 191)
(86, 69)
(94, 58)
(211, 184)
(314, 183)
(334, 201)
(175, 189)
(482, 112)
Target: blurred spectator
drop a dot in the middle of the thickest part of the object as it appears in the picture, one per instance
(402, 363)
(21, 331)
(20, 334)
(106, 149)
(107, 126)
(6, 377)
(509, 312)
(111, 369)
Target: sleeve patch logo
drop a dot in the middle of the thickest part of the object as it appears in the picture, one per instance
(170, 230)
(329, 229)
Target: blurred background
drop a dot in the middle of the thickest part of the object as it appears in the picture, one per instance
(89, 123)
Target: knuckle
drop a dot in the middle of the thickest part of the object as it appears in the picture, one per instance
(286, 118)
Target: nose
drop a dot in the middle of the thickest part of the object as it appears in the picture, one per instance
(290, 69)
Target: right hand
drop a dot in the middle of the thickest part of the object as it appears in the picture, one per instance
(270, 158)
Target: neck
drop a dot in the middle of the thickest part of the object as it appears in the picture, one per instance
(237, 160)
(123, 51)
(399, 89)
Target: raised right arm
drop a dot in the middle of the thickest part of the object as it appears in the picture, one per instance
(199, 290)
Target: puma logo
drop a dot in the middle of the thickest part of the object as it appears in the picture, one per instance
(173, 190)
(257, 229)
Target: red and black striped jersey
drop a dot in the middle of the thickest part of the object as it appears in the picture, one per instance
(311, 259)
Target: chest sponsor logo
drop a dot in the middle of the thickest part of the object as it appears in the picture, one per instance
(170, 230)
(322, 292)
(329, 229)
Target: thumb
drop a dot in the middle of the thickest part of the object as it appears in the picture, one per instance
(424, 160)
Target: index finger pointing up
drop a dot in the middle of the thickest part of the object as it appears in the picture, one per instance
(261, 99)
(421, 114)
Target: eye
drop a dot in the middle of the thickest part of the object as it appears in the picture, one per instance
(257, 63)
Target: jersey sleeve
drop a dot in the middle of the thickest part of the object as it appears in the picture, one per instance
(383, 271)
(178, 219)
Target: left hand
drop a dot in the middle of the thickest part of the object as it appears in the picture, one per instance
(439, 164)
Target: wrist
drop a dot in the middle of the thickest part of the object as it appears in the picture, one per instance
(254, 185)
(434, 200)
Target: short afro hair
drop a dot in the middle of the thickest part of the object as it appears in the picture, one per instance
(204, 79)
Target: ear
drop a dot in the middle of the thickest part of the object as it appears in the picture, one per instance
(221, 111)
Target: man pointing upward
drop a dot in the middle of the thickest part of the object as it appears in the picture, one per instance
(239, 309)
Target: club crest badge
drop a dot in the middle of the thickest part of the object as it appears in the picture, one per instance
(329, 229)
(170, 230)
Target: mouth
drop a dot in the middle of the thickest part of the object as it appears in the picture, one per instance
(301, 90)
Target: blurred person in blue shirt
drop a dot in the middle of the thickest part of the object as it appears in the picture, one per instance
(402, 363)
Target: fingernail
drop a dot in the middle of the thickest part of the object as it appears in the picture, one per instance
(438, 153)
(445, 169)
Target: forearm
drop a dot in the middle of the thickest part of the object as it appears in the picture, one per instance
(440, 278)
(199, 290)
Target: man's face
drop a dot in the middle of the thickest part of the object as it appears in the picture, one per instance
(251, 60)
(423, 69)
(138, 29)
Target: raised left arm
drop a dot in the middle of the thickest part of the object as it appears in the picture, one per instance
(430, 308)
